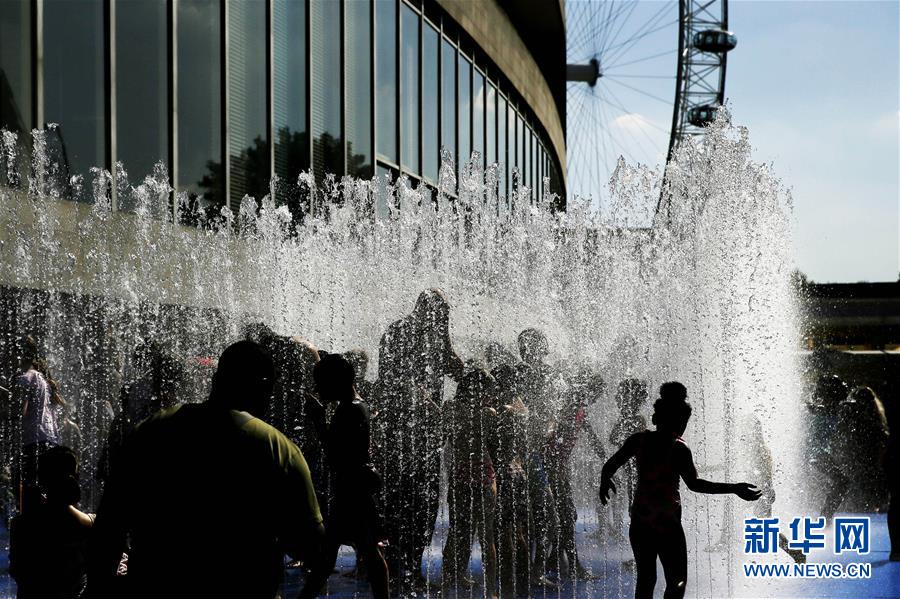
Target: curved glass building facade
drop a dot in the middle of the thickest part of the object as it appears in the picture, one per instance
(233, 94)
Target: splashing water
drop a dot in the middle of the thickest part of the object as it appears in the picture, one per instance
(700, 295)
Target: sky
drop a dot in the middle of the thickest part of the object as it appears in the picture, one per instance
(818, 85)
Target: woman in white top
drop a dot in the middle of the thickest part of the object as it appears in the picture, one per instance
(38, 395)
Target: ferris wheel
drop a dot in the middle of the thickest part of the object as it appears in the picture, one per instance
(641, 77)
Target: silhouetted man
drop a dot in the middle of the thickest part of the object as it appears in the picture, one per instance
(415, 356)
(353, 518)
(209, 497)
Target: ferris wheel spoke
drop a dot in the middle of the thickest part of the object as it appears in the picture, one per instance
(581, 26)
(640, 91)
(624, 38)
(654, 145)
(609, 40)
(639, 76)
(636, 61)
(633, 40)
(639, 34)
(618, 106)
(607, 143)
(619, 146)
(606, 21)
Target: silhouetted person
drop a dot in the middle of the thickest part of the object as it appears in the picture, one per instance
(496, 355)
(353, 518)
(631, 397)
(864, 431)
(508, 447)
(294, 359)
(37, 395)
(415, 354)
(892, 472)
(359, 359)
(662, 458)
(759, 463)
(206, 489)
(152, 384)
(824, 439)
(48, 543)
(584, 390)
(535, 378)
(471, 479)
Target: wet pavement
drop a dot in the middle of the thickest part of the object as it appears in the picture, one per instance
(707, 573)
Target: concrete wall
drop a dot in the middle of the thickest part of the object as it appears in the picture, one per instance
(493, 30)
(74, 247)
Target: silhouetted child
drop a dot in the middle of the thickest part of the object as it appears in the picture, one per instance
(353, 518)
(536, 382)
(631, 396)
(662, 458)
(471, 480)
(585, 388)
(48, 544)
(508, 448)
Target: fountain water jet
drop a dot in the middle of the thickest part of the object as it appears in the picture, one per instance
(701, 294)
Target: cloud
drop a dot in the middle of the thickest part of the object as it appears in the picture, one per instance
(633, 121)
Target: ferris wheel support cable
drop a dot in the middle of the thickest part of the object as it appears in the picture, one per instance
(636, 141)
(644, 34)
(640, 91)
(607, 76)
(631, 62)
(608, 41)
(625, 111)
(654, 144)
(637, 36)
(627, 132)
(607, 21)
(602, 37)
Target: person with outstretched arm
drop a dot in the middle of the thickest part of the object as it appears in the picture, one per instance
(662, 458)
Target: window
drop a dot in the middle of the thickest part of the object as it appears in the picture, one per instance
(490, 116)
(289, 101)
(448, 99)
(383, 198)
(248, 136)
(142, 89)
(478, 106)
(541, 172)
(501, 144)
(328, 145)
(386, 78)
(199, 107)
(15, 66)
(520, 151)
(358, 80)
(430, 146)
(74, 82)
(465, 111)
(409, 88)
(15, 81)
(526, 157)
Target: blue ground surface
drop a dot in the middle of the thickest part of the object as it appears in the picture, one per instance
(708, 574)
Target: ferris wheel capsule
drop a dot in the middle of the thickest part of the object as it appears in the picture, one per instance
(700, 116)
(714, 40)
